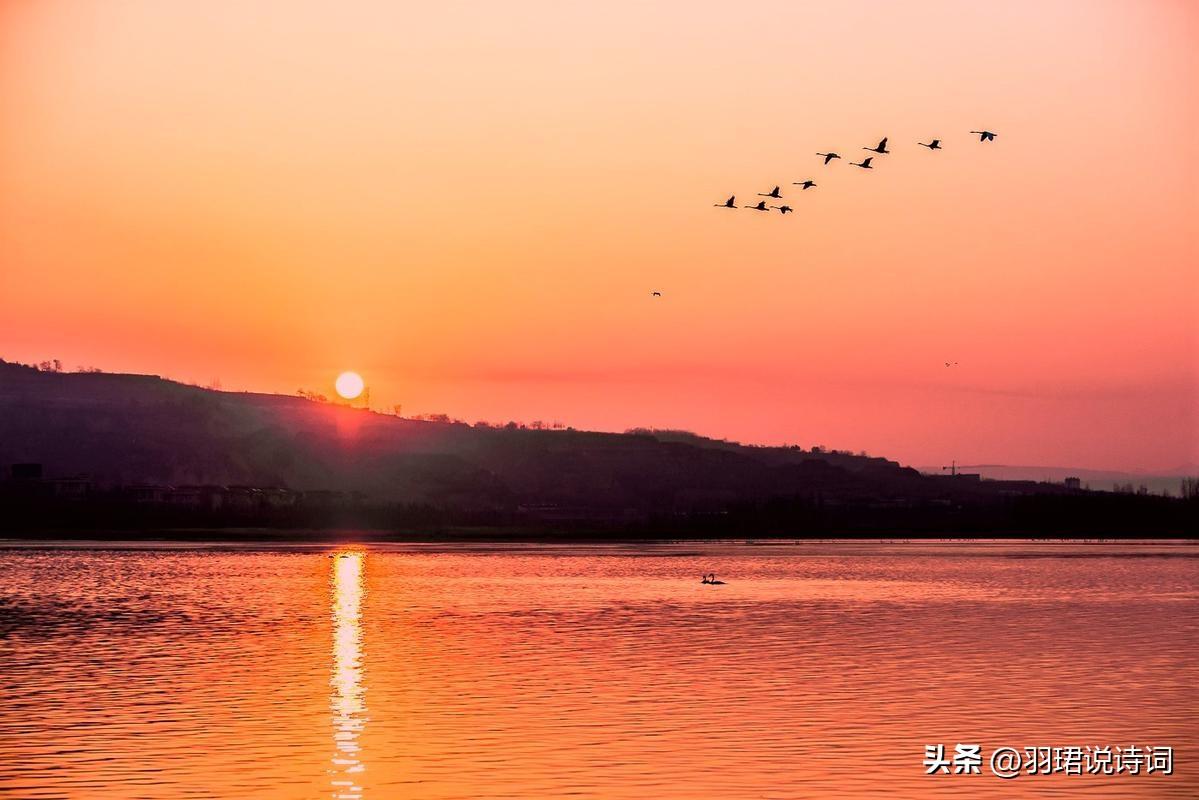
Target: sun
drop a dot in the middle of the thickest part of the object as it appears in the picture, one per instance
(349, 385)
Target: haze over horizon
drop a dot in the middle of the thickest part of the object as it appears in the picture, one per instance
(470, 207)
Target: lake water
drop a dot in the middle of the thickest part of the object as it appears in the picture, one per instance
(375, 671)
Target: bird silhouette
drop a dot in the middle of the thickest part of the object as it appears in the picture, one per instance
(772, 193)
(727, 203)
(880, 149)
(656, 294)
(805, 184)
(865, 163)
(828, 156)
(783, 209)
(951, 363)
(761, 206)
(985, 136)
(935, 144)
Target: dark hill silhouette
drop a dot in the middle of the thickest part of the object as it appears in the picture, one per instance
(136, 429)
(123, 430)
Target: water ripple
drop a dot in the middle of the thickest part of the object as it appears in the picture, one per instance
(440, 672)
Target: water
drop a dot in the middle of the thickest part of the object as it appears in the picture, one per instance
(606, 672)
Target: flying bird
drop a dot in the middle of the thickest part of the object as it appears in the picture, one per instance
(880, 149)
(935, 144)
(761, 206)
(865, 163)
(828, 156)
(727, 203)
(985, 136)
(772, 193)
(656, 294)
(783, 209)
(805, 184)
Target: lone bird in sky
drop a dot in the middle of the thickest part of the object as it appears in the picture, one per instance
(656, 294)
(761, 206)
(828, 156)
(783, 209)
(881, 149)
(805, 184)
(772, 193)
(985, 136)
(865, 163)
(935, 144)
(727, 203)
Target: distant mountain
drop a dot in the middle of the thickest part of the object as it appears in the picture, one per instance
(124, 430)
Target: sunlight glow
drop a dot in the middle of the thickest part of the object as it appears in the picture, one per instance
(346, 699)
(349, 385)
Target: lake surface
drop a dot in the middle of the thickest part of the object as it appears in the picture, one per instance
(415, 671)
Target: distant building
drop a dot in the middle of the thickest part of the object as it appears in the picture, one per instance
(148, 493)
(1074, 483)
(70, 488)
(955, 474)
(245, 498)
(210, 498)
(274, 497)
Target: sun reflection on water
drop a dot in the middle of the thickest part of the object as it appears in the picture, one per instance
(346, 698)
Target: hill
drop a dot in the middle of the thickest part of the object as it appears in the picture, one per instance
(119, 430)
(137, 429)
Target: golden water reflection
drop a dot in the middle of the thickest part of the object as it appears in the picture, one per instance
(347, 697)
(589, 672)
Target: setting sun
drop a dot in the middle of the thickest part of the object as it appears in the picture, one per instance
(859, 338)
(349, 385)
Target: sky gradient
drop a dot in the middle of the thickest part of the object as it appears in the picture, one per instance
(469, 204)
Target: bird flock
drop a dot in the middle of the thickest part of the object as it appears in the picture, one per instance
(879, 149)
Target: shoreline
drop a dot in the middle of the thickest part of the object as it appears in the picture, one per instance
(466, 536)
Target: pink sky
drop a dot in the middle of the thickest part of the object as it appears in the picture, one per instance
(471, 203)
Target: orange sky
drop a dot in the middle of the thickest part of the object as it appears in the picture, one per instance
(470, 203)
